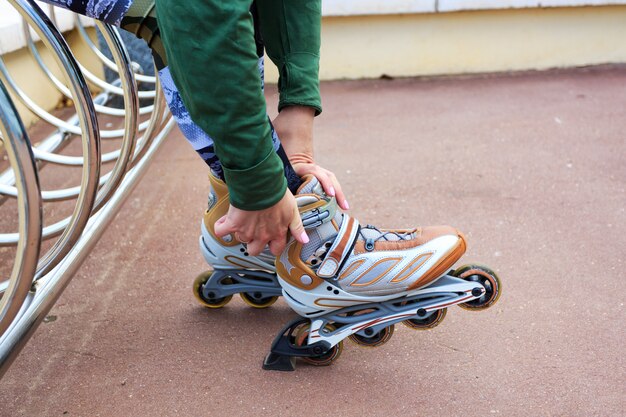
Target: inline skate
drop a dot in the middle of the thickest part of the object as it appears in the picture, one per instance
(357, 282)
(234, 270)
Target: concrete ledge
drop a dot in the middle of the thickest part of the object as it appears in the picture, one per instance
(11, 31)
(370, 7)
(470, 42)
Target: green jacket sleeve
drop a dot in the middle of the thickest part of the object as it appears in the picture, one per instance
(212, 57)
(291, 33)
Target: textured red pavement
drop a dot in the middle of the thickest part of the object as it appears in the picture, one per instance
(532, 167)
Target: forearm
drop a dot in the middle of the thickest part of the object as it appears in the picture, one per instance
(211, 52)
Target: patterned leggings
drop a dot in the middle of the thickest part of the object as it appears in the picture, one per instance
(139, 17)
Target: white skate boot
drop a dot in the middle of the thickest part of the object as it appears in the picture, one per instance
(234, 270)
(358, 281)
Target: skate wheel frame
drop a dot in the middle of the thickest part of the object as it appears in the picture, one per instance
(487, 278)
(376, 339)
(206, 302)
(427, 323)
(323, 360)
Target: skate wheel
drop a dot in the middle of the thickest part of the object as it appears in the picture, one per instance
(257, 301)
(207, 302)
(427, 323)
(322, 360)
(487, 278)
(374, 340)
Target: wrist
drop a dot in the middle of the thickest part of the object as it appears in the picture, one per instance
(300, 158)
(294, 126)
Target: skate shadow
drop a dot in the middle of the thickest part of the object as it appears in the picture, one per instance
(236, 324)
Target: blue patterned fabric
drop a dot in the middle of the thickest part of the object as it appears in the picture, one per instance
(201, 142)
(108, 11)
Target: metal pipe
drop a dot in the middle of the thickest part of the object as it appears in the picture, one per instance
(48, 291)
(30, 210)
(88, 121)
(105, 60)
(36, 283)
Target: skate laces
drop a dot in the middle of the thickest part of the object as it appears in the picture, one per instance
(372, 234)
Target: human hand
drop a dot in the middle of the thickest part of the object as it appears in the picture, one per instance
(303, 164)
(294, 125)
(263, 227)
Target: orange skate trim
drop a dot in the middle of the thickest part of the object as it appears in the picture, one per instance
(411, 268)
(337, 254)
(359, 247)
(443, 265)
(219, 209)
(374, 280)
(351, 268)
(422, 236)
(312, 206)
(298, 270)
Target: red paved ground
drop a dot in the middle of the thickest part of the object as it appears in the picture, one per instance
(532, 167)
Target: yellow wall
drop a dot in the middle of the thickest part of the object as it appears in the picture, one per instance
(25, 70)
(470, 42)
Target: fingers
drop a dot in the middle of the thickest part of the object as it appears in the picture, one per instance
(296, 228)
(339, 195)
(333, 188)
(278, 245)
(327, 183)
(255, 247)
(223, 226)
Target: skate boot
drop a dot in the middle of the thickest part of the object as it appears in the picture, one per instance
(358, 281)
(234, 270)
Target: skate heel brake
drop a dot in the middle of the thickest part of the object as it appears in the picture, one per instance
(284, 351)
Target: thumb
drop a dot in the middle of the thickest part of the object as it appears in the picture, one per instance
(223, 226)
(296, 228)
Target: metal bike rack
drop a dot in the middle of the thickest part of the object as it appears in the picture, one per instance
(38, 278)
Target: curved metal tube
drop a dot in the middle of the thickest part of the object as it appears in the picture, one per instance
(30, 43)
(110, 181)
(36, 282)
(103, 58)
(30, 211)
(49, 290)
(157, 122)
(5, 76)
(122, 156)
(91, 138)
(131, 121)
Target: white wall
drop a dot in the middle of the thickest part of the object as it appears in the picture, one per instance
(366, 7)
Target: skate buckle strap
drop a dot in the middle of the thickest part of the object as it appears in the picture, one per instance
(323, 213)
(340, 249)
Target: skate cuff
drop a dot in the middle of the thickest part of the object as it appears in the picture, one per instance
(340, 249)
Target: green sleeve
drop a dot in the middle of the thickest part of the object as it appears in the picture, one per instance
(212, 57)
(291, 33)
